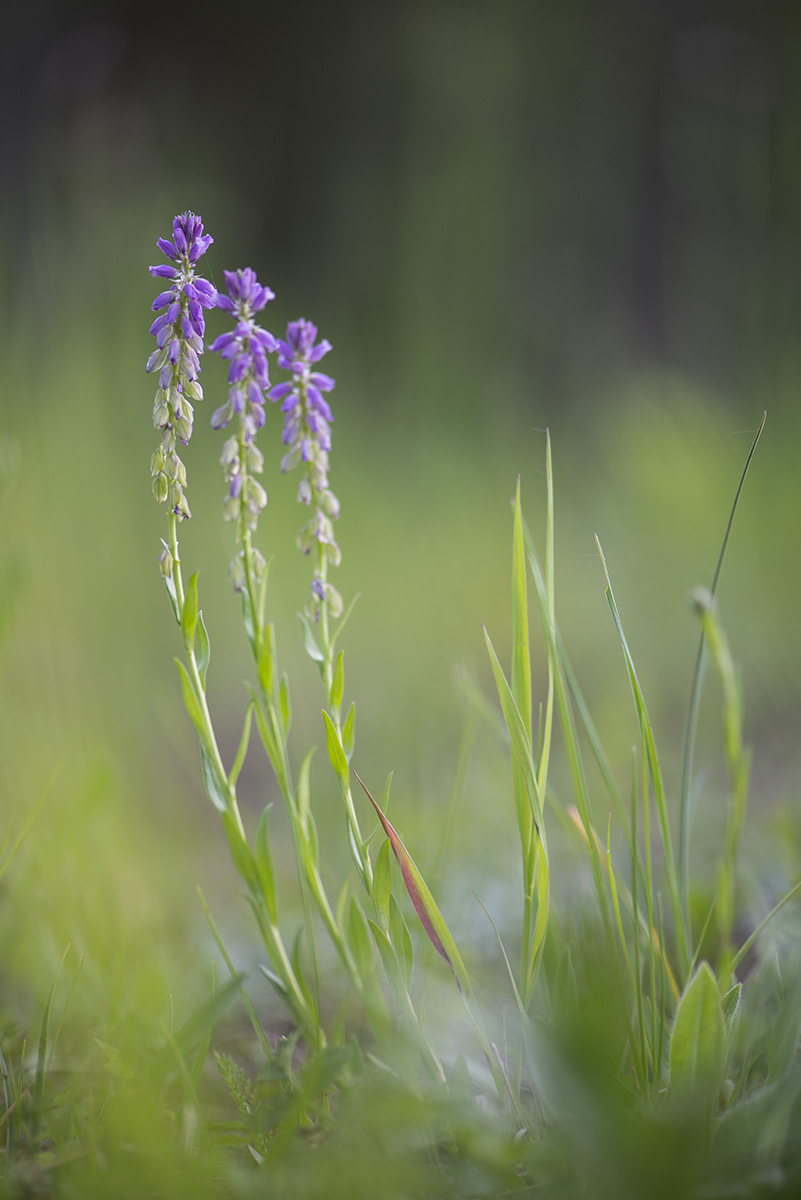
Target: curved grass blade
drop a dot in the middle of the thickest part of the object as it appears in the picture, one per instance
(423, 902)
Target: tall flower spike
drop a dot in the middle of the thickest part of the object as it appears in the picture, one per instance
(248, 378)
(179, 343)
(307, 436)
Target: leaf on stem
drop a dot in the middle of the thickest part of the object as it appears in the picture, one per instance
(348, 731)
(191, 702)
(338, 682)
(336, 753)
(310, 642)
(382, 885)
(189, 614)
(202, 648)
(216, 790)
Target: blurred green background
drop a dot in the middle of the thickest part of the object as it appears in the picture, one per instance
(505, 217)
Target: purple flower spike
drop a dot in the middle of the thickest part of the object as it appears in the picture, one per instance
(307, 436)
(179, 339)
(246, 350)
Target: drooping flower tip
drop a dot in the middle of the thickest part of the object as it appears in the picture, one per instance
(244, 291)
(299, 350)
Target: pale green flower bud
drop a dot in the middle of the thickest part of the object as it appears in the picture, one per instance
(165, 560)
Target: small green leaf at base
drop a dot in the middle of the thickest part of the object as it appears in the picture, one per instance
(698, 1044)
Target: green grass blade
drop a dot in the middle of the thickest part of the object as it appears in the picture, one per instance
(695, 696)
(655, 771)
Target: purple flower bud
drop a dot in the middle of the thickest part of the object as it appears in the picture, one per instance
(166, 247)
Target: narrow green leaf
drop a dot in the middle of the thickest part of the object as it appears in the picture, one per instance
(268, 741)
(338, 682)
(296, 958)
(310, 642)
(335, 752)
(266, 664)
(348, 731)
(242, 749)
(189, 614)
(521, 740)
(521, 658)
(264, 865)
(698, 1044)
(402, 940)
(202, 649)
(304, 788)
(191, 702)
(359, 937)
(241, 853)
(216, 789)
(730, 1002)
(169, 583)
(286, 707)
(423, 902)
(382, 884)
(275, 981)
(749, 941)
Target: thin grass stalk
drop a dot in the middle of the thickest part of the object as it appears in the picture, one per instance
(693, 706)
(570, 735)
(652, 758)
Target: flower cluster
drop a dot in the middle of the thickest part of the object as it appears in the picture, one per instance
(179, 343)
(307, 436)
(248, 378)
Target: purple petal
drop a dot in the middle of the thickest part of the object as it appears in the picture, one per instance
(225, 303)
(279, 391)
(166, 246)
(324, 382)
(163, 271)
(321, 406)
(162, 300)
(225, 345)
(238, 368)
(319, 350)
